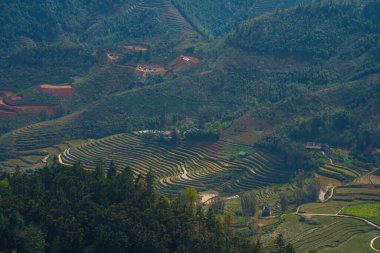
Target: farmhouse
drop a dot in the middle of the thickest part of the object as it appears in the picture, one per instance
(65, 91)
(267, 210)
(143, 70)
(313, 146)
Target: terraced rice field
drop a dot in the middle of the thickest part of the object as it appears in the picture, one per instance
(338, 172)
(331, 235)
(200, 164)
(360, 192)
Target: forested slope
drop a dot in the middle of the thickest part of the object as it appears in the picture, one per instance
(214, 18)
(60, 209)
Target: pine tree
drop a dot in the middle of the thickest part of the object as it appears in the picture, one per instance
(112, 170)
(99, 170)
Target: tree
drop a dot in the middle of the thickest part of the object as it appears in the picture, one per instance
(32, 239)
(217, 205)
(112, 170)
(248, 203)
(283, 201)
(191, 196)
(99, 170)
(150, 186)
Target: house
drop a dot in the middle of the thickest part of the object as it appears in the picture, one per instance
(243, 154)
(186, 58)
(376, 154)
(313, 146)
(267, 210)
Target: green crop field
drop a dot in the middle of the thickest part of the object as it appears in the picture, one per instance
(324, 234)
(367, 211)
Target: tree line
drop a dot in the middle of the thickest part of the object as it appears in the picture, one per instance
(60, 209)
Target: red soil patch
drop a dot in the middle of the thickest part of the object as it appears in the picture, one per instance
(143, 70)
(65, 91)
(8, 108)
(185, 60)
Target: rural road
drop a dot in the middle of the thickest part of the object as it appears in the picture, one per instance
(373, 241)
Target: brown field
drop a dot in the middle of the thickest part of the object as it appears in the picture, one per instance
(369, 178)
(246, 130)
(185, 60)
(267, 222)
(143, 70)
(138, 48)
(327, 181)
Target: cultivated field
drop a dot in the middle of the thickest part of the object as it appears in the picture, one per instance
(203, 165)
(367, 211)
(338, 172)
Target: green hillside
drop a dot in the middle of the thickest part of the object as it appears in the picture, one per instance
(214, 18)
(297, 93)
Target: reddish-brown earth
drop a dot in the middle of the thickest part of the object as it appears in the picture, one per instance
(9, 107)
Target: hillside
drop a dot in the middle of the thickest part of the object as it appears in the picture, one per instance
(238, 77)
(215, 18)
(189, 126)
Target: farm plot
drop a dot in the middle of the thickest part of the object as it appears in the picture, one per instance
(338, 172)
(199, 164)
(357, 193)
(331, 235)
(366, 211)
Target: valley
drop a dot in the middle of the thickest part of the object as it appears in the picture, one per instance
(250, 122)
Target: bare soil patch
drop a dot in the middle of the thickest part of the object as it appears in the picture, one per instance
(327, 181)
(112, 57)
(267, 222)
(185, 60)
(206, 196)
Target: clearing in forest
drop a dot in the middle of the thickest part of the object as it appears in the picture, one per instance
(143, 70)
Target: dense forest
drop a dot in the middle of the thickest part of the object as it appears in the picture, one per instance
(314, 32)
(59, 209)
(26, 23)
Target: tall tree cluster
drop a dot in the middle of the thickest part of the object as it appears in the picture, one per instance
(59, 209)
